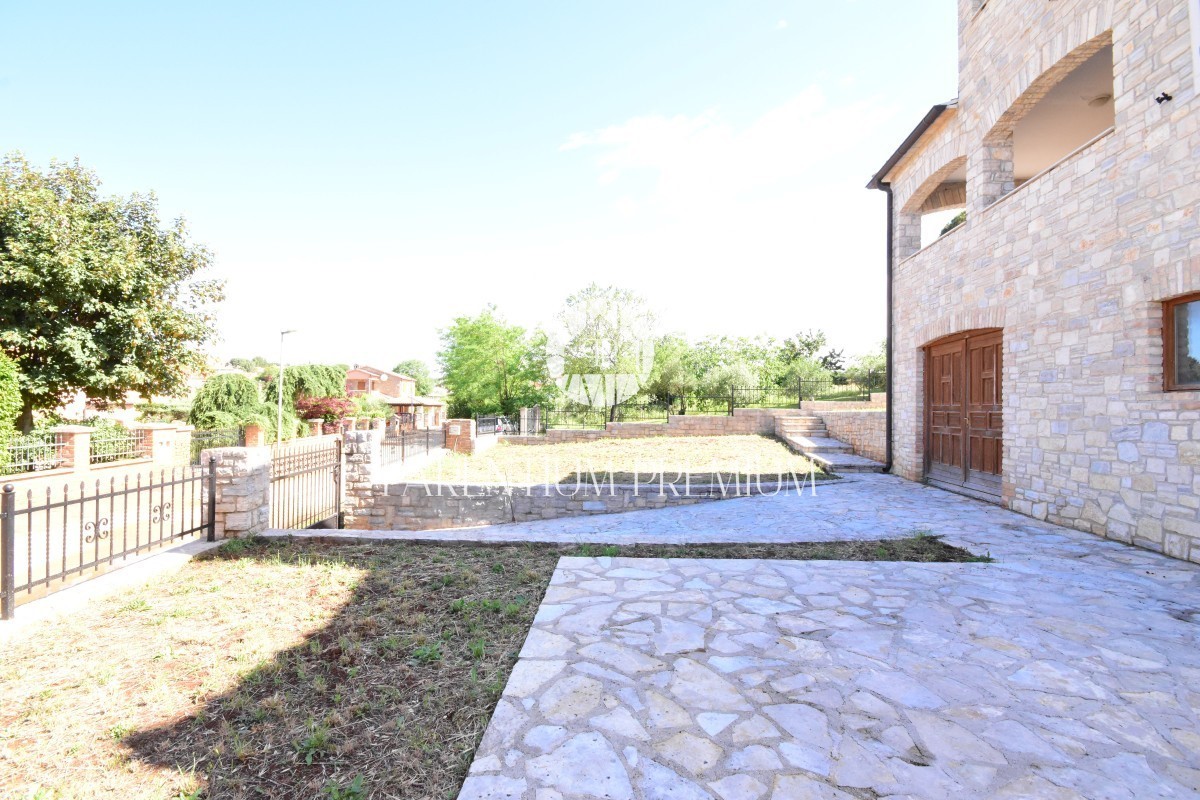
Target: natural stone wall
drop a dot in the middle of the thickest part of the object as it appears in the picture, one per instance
(864, 429)
(877, 401)
(243, 490)
(422, 507)
(1074, 266)
(744, 422)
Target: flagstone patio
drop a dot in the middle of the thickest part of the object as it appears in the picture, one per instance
(1069, 668)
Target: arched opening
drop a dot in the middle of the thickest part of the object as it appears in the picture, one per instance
(964, 419)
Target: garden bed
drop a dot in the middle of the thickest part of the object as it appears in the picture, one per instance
(295, 669)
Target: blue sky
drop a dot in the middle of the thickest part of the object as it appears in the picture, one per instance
(366, 172)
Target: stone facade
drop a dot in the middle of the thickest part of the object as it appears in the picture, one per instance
(1073, 266)
(243, 490)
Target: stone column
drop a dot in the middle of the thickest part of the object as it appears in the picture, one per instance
(314, 427)
(76, 450)
(183, 444)
(243, 491)
(994, 177)
(907, 239)
(460, 435)
(158, 442)
(363, 452)
(256, 436)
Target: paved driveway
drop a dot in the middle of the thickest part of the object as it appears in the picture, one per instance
(1069, 668)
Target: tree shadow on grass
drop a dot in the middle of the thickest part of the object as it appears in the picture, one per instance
(388, 698)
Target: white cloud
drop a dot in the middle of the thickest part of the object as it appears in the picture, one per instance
(704, 165)
(783, 23)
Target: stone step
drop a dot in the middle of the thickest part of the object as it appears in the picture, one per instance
(819, 444)
(844, 462)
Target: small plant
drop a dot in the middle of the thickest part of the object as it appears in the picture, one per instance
(611, 551)
(119, 731)
(495, 606)
(458, 606)
(498, 569)
(316, 743)
(388, 645)
(136, 604)
(351, 791)
(428, 653)
(477, 647)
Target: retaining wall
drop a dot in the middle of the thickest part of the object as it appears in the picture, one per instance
(423, 507)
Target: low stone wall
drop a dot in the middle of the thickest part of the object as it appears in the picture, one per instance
(243, 490)
(864, 429)
(744, 422)
(423, 507)
(876, 401)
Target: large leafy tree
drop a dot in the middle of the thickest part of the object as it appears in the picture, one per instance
(98, 295)
(608, 334)
(419, 371)
(491, 366)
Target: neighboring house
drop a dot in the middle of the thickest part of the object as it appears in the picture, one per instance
(1044, 352)
(398, 391)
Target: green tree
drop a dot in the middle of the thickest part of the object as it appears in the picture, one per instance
(609, 334)
(305, 380)
(419, 371)
(491, 366)
(98, 295)
(250, 365)
(674, 368)
(10, 395)
(233, 400)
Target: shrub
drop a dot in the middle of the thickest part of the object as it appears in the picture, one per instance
(327, 409)
(373, 407)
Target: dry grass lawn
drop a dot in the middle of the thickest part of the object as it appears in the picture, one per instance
(703, 457)
(297, 670)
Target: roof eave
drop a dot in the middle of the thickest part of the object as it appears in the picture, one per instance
(877, 180)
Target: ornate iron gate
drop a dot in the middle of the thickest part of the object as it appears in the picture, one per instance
(53, 536)
(306, 483)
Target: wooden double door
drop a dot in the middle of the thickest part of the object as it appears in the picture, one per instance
(964, 421)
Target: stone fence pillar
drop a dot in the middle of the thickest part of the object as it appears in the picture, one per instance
(363, 453)
(158, 442)
(243, 490)
(460, 435)
(314, 426)
(76, 450)
(256, 436)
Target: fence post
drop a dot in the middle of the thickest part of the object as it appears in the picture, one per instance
(212, 499)
(732, 402)
(8, 542)
(799, 392)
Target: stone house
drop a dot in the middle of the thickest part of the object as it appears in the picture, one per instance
(400, 392)
(1046, 351)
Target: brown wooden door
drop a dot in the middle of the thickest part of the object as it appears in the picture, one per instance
(964, 418)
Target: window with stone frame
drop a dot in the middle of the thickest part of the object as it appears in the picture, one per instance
(1181, 345)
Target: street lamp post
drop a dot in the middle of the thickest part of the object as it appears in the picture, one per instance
(279, 389)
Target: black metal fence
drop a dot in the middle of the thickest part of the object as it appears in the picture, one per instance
(789, 396)
(405, 446)
(116, 444)
(206, 440)
(306, 483)
(54, 536)
(486, 425)
(33, 452)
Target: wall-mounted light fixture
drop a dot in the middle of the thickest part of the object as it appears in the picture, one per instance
(1162, 98)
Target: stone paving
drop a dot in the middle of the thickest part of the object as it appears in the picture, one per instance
(1069, 668)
